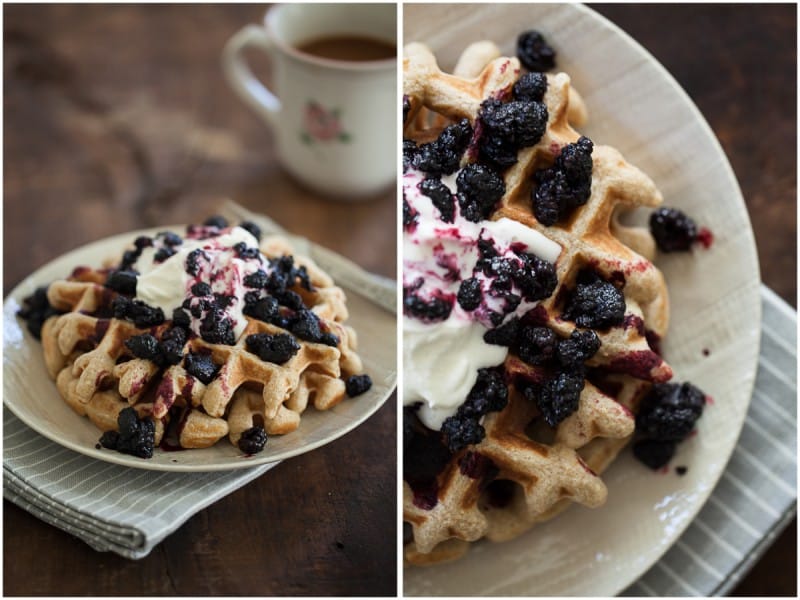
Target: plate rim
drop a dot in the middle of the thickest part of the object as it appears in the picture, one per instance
(15, 295)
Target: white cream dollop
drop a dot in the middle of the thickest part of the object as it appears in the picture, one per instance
(441, 359)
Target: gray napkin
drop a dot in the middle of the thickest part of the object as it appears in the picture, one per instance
(129, 511)
(756, 496)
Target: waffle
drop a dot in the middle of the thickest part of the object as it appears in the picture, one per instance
(85, 353)
(523, 471)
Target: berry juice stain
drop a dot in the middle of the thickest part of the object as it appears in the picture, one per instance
(705, 237)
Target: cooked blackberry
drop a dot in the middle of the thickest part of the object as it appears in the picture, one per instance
(256, 280)
(576, 350)
(409, 215)
(123, 282)
(216, 221)
(143, 346)
(441, 197)
(669, 411)
(201, 289)
(489, 394)
(170, 238)
(171, 346)
(497, 152)
(469, 294)
(244, 252)
(265, 309)
(200, 366)
(531, 86)
(305, 325)
(129, 257)
(505, 334)
(254, 229)
(329, 339)
(224, 300)
(672, 230)
(136, 436)
(192, 266)
(409, 152)
(355, 385)
(164, 253)
(143, 242)
(141, 314)
(277, 282)
(559, 397)
(596, 305)
(460, 432)
(479, 191)
(443, 155)
(276, 349)
(536, 345)
(534, 53)
(654, 453)
(216, 328)
(253, 440)
(424, 456)
(35, 310)
(520, 123)
(290, 299)
(435, 309)
(536, 279)
(564, 186)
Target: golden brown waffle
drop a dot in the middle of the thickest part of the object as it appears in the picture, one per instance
(537, 470)
(85, 353)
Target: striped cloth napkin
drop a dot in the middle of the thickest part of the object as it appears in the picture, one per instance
(756, 496)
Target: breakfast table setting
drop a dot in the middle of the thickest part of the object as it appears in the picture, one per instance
(165, 129)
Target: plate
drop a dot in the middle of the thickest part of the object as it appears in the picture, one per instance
(32, 396)
(636, 106)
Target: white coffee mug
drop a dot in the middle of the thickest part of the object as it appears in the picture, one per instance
(334, 121)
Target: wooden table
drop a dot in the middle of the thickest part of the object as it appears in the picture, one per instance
(117, 118)
(738, 64)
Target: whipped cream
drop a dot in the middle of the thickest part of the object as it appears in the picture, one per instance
(167, 284)
(441, 359)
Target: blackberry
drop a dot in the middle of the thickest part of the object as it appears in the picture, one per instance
(35, 310)
(536, 279)
(252, 228)
(441, 197)
(253, 440)
(171, 346)
(469, 294)
(192, 266)
(305, 325)
(536, 345)
(245, 253)
(531, 87)
(497, 152)
(534, 53)
(143, 346)
(409, 215)
(305, 279)
(201, 289)
(170, 238)
(596, 305)
(479, 191)
(143, 242)
(669, 411)
(459, 432)
(163, 254)
(443, 155)
(142, 315)
(256, 280)
(355, 385)
(505, 334)
(519, 123)
(576, 350)
(559, 397)
(216, 328)
(123, 282)
(265, 309)
(435, 309)
(216, 221)
(290, 300)
(564, 186)
(224, 300)
(329, 339)
(489, 394)
(672, 230)
(129, 257)
(272, 348)
(200, 366)
(409, 152)
(654, 453)
(424, 455)
(136, 436)
(277, 282)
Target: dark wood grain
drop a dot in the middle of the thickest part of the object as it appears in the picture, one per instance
(117, 118)
(739, 64)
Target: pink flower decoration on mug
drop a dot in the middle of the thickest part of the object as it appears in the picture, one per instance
(322, 125)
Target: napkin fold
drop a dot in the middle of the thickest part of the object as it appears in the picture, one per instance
(129, 511)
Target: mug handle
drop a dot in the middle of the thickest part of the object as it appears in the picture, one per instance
(241, 78)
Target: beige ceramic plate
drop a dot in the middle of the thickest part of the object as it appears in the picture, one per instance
(32, 396)
(636, 106)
